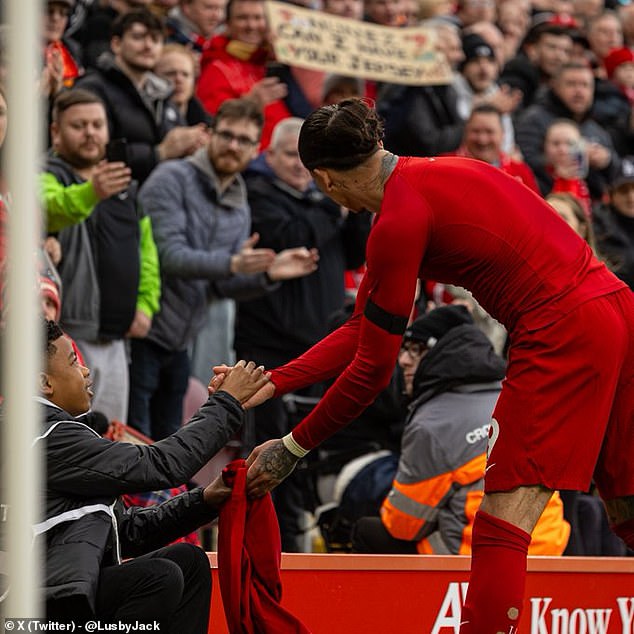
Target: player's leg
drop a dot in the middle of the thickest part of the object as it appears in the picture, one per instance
(614, 473)
(501, 535)
(548, 428)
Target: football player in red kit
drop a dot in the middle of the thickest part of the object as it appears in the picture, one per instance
(566, 410)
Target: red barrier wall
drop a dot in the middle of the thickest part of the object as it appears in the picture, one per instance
(408, 594)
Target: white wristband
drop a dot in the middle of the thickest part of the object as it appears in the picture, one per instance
(293, 447)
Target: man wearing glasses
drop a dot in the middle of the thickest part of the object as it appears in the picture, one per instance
(200, 218)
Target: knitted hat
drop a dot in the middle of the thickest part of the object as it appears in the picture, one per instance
(616, 57)
(434, 325)
(475, 46)
(48, 289)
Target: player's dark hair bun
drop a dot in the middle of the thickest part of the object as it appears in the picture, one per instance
(340, 136)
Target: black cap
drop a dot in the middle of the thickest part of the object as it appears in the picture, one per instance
(625, 175)
(431, 327)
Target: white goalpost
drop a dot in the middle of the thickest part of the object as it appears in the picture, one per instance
(21, 469)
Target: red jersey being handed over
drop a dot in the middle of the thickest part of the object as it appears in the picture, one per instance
(457, 221)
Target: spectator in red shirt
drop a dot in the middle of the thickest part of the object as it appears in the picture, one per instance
(234, 66)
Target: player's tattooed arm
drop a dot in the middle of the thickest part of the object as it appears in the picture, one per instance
(269, 464)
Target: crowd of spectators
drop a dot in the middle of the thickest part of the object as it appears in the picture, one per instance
(178, 217)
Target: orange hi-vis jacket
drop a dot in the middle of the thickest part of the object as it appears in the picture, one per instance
(549, 537)
(440, 479)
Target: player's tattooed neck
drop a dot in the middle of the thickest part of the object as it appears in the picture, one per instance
(388, 163)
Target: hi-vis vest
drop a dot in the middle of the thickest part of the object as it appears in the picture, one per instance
(410, 511)
(439, 484)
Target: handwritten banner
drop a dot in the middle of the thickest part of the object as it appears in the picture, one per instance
(317, 40)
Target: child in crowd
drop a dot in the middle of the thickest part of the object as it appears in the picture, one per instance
(566, 159)
(619, 66)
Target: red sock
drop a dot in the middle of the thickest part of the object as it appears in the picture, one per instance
(498, 574)
(625, 530)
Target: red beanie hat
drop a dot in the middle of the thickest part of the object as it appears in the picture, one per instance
(616, 57)
(49, 289)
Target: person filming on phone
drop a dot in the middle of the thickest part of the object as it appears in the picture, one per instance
(109, 267)
(566, 158)
(571, 97)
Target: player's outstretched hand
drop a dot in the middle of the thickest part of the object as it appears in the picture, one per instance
(269, 464)
(219, 377)
(244, 380)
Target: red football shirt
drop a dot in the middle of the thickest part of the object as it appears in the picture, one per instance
(457, 221)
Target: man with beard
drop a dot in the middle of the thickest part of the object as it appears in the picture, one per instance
(201, 219)
(109, 267)
(137, 101)
(467, 223)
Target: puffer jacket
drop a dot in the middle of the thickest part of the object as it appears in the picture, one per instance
(615, 241)
(143, 118)
(197, 228)
(420, 120)
(84, 525)
(109, 266)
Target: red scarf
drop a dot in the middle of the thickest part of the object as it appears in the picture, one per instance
(71, 68)
(249, 555)
(576, 187)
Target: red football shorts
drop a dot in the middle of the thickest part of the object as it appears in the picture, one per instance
(566, 410)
